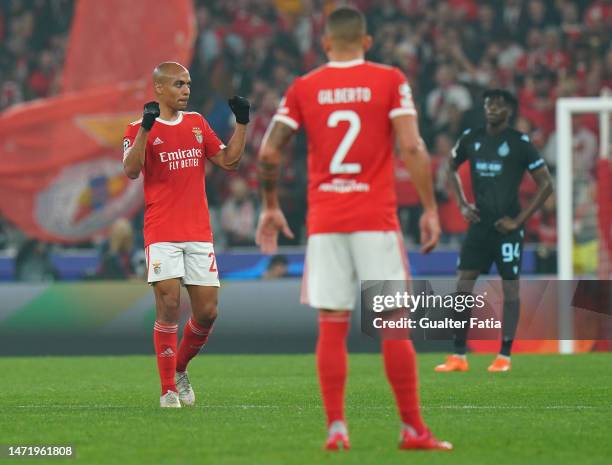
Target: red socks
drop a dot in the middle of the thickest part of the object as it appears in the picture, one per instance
(194, 337)
(400, 365)
(332, 362)
(165, 340)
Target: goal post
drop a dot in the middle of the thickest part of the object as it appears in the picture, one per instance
(565, 109)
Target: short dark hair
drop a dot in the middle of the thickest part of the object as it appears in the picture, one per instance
(346, 23)
(508, 96)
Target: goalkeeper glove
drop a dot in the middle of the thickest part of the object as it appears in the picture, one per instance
(151, 111)
(240, 107)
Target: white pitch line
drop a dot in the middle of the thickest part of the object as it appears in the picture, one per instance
(300, 407)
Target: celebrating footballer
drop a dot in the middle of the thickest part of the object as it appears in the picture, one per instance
(168, 145)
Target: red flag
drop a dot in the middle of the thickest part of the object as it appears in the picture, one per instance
(61, 177)
(115, 40)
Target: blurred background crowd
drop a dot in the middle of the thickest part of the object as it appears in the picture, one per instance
(450, 50)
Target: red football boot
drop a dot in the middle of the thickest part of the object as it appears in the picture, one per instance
(425, 441)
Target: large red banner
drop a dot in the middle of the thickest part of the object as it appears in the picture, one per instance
(61, 176)
(119, 40)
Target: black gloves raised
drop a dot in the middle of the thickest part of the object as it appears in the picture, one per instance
(151, 111)
(240, 106)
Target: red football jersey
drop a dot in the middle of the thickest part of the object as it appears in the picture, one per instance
(176, 208)
(346, 110)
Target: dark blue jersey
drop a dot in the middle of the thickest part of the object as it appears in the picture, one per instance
(497, 164)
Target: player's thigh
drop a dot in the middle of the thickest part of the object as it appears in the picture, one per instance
(466, 280)
(509, 254)
(204, 301)
(167, 300)
(164, 261)
(477, 249)
(200, 265)
(329, 280)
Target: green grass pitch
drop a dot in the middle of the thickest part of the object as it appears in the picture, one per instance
(550, 409)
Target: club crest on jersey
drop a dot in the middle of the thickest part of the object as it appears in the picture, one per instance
(197, 132)
(476, 146)
(503, 150)
(156, 267)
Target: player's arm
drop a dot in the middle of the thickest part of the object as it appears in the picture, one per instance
(543, 180)
(469, 211)
(271, 219)
(413, 153)
(458, 156)
(229, 157)
(134, 156)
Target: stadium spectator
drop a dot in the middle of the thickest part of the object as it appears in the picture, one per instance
(117, 252)
(239, 215)
(585, 225)
(33, 262)
(448, 101)
(278, 267)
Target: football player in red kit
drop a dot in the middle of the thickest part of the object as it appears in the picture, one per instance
(169, 146)
(353, 111)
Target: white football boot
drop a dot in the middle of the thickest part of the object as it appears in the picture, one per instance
(170, 400)
(185, 391)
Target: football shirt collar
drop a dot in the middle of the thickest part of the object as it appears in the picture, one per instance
(346, 64)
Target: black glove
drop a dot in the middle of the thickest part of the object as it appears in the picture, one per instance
(240, 107)
(151, 111)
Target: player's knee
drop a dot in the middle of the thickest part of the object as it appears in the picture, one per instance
(206, 313)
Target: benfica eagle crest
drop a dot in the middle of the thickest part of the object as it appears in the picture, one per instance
(197, 132)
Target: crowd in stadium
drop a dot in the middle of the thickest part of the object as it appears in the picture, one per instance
(451, 50)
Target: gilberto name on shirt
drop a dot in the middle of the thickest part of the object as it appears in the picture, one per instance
(181, 158)
(344, 95)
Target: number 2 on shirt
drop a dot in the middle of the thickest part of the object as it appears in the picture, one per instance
(213, 267)
(337, 166)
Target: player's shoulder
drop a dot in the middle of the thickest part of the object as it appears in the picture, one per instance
(519, 137)
(132, 128)
(381, 67)
(474, 132)
(311, 75)
(384, 73)
(192, 115)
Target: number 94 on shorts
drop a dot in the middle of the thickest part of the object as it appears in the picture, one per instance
(192, 262)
